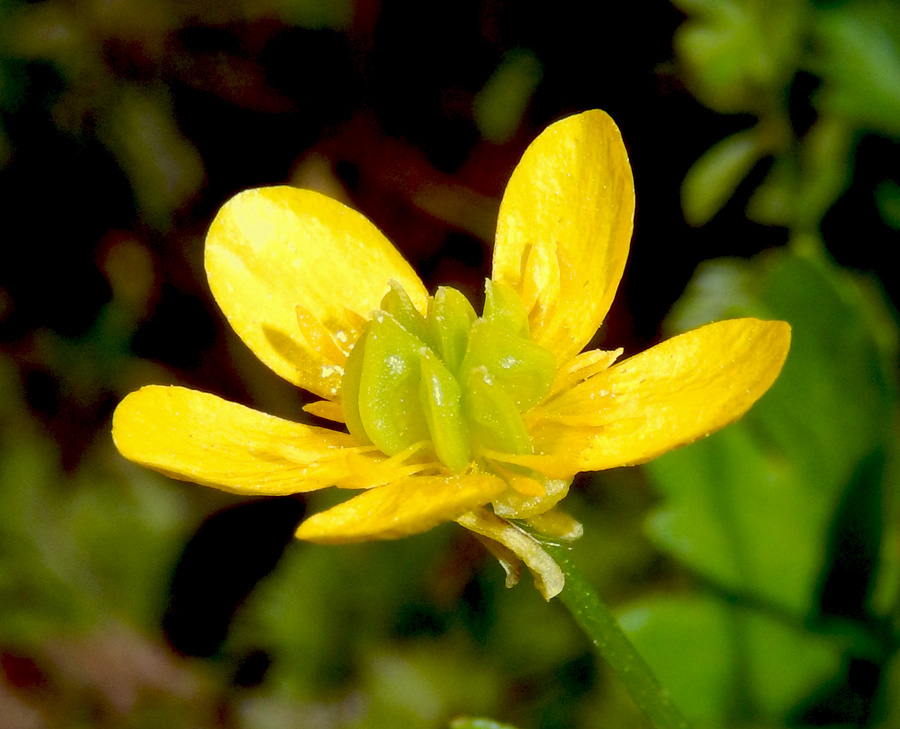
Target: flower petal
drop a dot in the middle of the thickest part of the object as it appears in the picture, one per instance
(405, 507)
(666, 397)
(271, 249)
(565, 228)
(195, 436)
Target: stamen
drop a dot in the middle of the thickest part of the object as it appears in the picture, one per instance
(353, 325)
(326, 409)
(581, 368)
(580, 420)
(548, 577)
(319, 338)
(567, 272)
(413, 450)
(315, 456)
(541, 281)
(556, 525)
(551, 466)
(377, 471)
(523, 484)
(512, 505)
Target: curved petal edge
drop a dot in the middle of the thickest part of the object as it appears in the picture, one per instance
(564, 229)
(398, 509)
(195, 436)
(669, 396)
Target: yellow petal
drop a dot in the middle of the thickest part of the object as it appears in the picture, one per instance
(408, 506)
(273, 249)
(666, 397)
(199, 437)
(565, 228)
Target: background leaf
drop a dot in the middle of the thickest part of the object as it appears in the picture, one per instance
(761, 511)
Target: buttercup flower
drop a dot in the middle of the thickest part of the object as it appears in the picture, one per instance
(450, 416)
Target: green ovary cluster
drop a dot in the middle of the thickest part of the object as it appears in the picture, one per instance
(452, 378)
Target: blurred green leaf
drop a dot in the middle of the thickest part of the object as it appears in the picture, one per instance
(722, 662)
(313, 14)
(836, 398)
(165, 169)
(854, 547)
(833, 405)
(826, 163)
(754, 509)
(471, 723)
(759, 57)
(714, 177)
(500, 105)
(774, 202)
(802, 186)
(731, 514)
(418, 686)
(888, 693)
(356, 620)
(736, 52)
(887, 198)
(859, 62)
(76, 549)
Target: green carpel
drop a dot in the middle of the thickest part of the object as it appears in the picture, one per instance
(450, 378)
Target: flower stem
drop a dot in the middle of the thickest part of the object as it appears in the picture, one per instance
(595, 618)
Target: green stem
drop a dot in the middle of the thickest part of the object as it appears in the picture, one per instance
(598, 622)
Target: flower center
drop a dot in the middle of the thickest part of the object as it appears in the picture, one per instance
(452, 378)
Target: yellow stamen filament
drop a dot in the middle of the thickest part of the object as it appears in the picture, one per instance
(524, 485)
(526, 285)
(352, 326)
(540, 281)
(621, 426)
(313, 456)
(551, 466)
(582, 368)
(556, 524)
(326, 409)
(369, 471)
(319, 338)
(567, 273)
(359, 467)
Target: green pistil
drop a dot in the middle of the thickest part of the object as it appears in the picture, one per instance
(451, 378)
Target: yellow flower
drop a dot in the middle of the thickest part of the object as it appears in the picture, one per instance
(451, 417)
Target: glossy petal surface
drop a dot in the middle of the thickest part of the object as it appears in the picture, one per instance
(565, 228)
(407, 506)
(270, 249)
(199, 437)
(666, 397)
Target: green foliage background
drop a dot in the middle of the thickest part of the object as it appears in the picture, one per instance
(757, 570)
